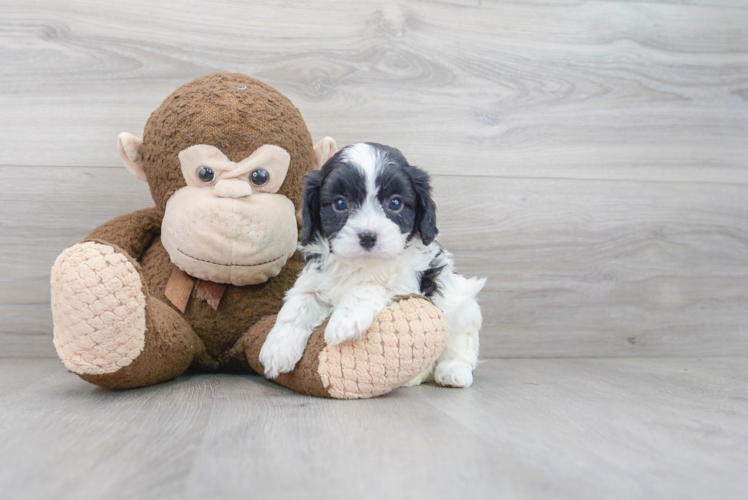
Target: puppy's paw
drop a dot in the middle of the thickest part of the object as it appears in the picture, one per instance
(425, 376)
(345, 325)
(283, 348)
(454, 373)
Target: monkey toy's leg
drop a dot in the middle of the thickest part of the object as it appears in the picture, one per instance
(403, 341)
(106, 327)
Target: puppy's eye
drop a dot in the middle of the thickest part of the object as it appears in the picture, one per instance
(259, 177)
(206, 174)
(339, 204)
(395, 204)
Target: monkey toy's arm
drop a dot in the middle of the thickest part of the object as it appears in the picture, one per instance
(131, 233)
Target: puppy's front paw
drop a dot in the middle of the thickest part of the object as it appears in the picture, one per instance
(454, 373)
(345, 325)
(283, 348)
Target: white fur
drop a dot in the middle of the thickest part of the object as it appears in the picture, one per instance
(370, 217)
(356, 285)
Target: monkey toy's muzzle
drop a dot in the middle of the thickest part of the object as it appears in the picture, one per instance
(234, 240)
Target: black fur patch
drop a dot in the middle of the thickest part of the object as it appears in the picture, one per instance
(427, 281)
(312, 257)
(398, 177)
(336, 178)
(344, 181)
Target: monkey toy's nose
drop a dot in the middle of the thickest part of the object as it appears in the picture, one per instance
(367, 239)
(232, 188)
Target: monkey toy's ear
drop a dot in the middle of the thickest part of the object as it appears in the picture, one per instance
(323, 151)
(131, 150)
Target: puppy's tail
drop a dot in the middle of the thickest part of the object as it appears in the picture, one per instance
(471, 287)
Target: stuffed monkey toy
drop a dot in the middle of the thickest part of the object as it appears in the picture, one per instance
(195, 282)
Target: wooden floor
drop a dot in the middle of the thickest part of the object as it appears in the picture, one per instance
(531, 428)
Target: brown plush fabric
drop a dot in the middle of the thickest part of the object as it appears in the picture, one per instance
(133, 233)
(304, 378)
(170, 346)
(240, 307)
(233, 112)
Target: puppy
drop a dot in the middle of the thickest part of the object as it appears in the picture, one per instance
(369, 229)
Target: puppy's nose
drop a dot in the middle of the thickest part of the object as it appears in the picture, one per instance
(367, 239)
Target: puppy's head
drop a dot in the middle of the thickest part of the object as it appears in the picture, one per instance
(368, 202)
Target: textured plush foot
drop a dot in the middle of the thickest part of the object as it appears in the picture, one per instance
(98, 308)
(403, 341)
(453, 373)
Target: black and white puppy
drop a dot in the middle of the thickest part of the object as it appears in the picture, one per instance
(369, 229)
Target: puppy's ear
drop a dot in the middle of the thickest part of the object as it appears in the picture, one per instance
(311, 206)
(425, 224)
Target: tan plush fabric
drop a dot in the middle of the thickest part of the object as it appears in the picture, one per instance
(131, 151)
(239, 242)
(271, 158)
(323, 151)
(98, 308)
(170, 347)
(403, 341)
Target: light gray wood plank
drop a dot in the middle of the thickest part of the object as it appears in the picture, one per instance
(17, 373)
(613, 90)
(393, 447)
(43, 212)
(598, 268)
(69, 439)
(606, 428)
(623, 428)
(575, 268)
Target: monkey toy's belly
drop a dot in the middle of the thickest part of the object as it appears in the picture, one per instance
(239, 308)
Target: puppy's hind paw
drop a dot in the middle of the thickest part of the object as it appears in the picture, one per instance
(425, 376)
(454, 373)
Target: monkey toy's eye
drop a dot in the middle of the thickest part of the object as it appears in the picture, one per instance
(395, 204)
(259, 177)
(339, 204)
(206, 174)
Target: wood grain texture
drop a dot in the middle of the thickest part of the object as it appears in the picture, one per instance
(536, 429)
(590, 156)
(575, 267)
(614, 90)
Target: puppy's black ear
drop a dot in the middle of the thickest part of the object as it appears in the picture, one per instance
(425, 223)
(311, 206)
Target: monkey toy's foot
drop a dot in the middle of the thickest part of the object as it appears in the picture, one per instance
(106, 329)
(98, 306)
(403, 341)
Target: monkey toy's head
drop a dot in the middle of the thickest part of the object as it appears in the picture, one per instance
(223, 156)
